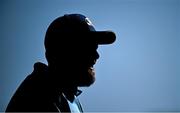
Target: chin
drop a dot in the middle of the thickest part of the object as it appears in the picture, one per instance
(89, 83)
(86, 80)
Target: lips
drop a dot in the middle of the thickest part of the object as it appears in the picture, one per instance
(91, 69)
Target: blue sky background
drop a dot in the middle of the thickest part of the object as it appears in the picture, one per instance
(139, 72)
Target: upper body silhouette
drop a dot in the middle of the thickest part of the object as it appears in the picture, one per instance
(71, 44)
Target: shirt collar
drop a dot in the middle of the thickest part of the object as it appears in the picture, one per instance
(72, 93)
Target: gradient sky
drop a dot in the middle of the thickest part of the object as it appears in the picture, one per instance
(139, 72)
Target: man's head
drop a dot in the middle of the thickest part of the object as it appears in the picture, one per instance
(71, 44)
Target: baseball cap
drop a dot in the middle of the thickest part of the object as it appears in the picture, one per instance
(79, 26)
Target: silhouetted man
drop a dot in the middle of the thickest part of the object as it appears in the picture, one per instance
(71, 44)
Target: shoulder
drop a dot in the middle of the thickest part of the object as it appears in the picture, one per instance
(31, 92)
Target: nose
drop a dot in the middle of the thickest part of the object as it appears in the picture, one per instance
(97, 55)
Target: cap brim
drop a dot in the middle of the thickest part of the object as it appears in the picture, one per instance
(104, 37)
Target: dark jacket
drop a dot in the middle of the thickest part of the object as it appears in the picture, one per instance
(36, 94)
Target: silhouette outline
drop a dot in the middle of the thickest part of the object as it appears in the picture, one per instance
(71, 44)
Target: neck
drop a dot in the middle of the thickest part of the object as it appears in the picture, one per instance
(59, 80)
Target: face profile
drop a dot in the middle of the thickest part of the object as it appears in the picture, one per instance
(71, 43)
(85, 65)
(79, 48)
